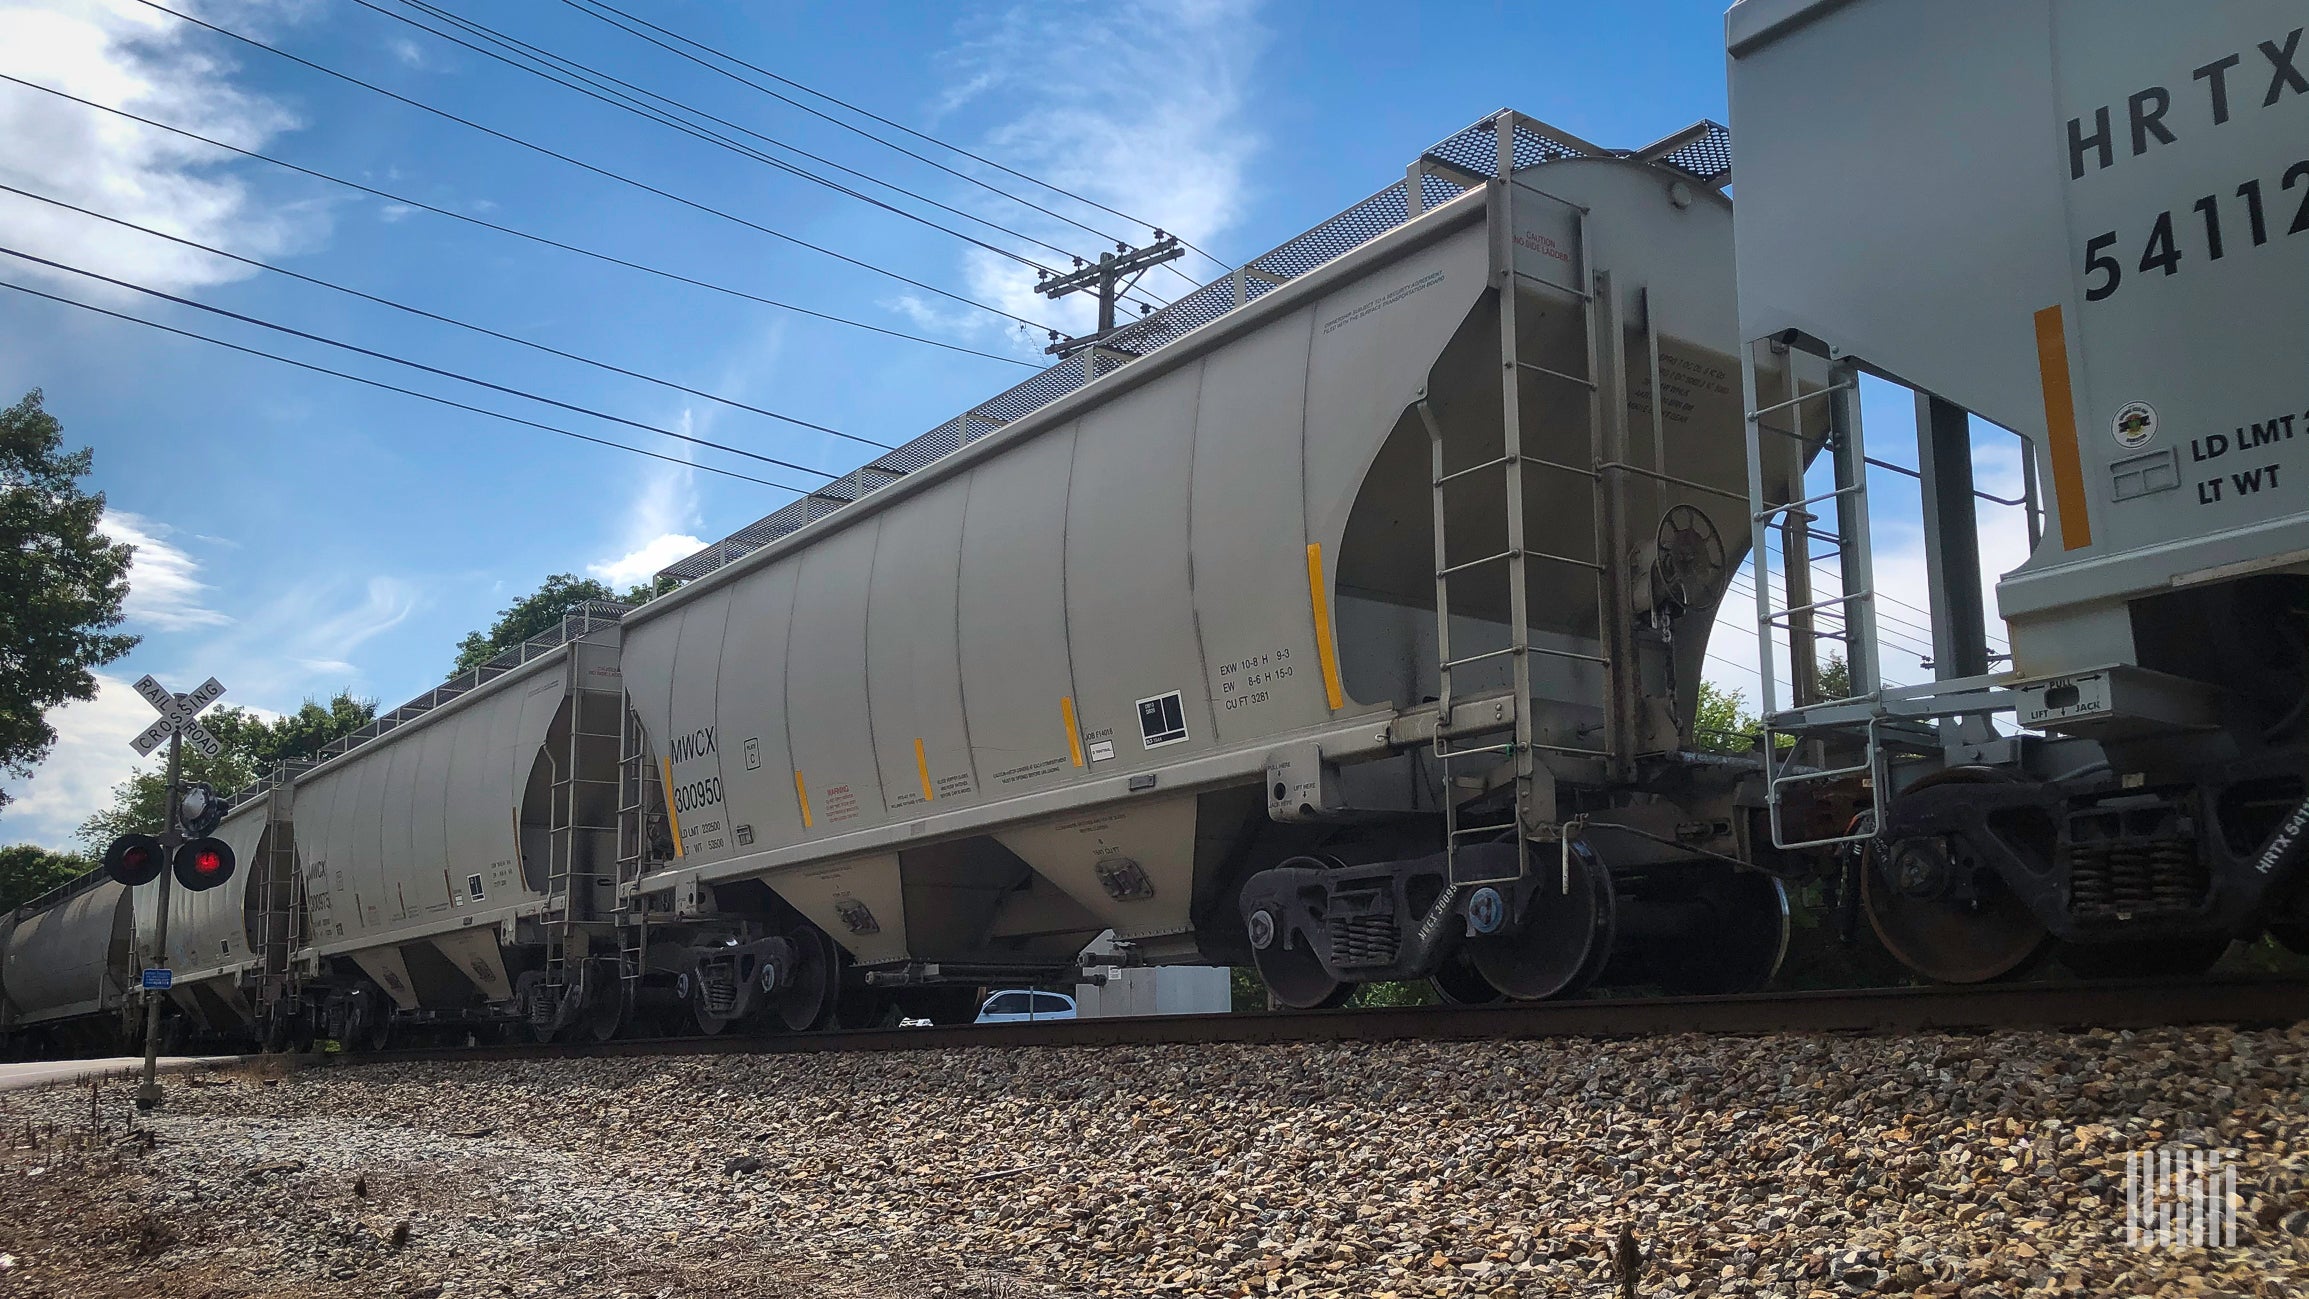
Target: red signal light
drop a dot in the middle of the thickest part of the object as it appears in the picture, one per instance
(204, 864)
(134, 859)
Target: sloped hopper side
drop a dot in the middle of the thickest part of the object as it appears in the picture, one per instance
(1670, 280)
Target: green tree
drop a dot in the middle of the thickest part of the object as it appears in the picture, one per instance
(248, 744)
(535, 613)
(61, 583)
(29, 870)
(1722, 722)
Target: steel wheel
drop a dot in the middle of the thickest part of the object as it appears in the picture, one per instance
(606, 1001)
(1739, 942)
(807, 998)
(1461, 984)
(1908, 893)
(1564, 938)
(1294, 975)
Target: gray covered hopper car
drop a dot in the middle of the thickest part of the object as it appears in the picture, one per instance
(1162, 656)
(67, 966)
(2089, 224)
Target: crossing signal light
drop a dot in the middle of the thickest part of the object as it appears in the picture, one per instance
(204, 864)
(134, 859)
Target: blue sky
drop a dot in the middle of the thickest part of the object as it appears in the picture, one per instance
(301, 534)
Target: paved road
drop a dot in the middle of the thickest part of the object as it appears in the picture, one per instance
(34, 1073)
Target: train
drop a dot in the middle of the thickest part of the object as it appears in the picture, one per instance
(1346, 619)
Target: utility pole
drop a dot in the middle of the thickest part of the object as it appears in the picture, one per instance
(1105, 278)
(171, 838)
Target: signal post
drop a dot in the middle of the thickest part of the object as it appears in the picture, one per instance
(198, 863)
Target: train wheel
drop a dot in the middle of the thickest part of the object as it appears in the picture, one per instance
(2169, 959)
(607, 1002)
(1739, 941)
(1564, 939)
(807, 999)
(1294, 976)
(1461, 984)
(1909, 892)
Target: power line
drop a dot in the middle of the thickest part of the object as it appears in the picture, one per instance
(422, 206)
(406, 392)
(598, 5)
(446, 320)
(415, 365)
(604, 172)
(570, 68)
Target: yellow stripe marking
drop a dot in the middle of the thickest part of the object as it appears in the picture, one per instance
(1073, 732)
(2068, 475)
(672, 817)
(922, 766)
(1326, 654)
(802, 796)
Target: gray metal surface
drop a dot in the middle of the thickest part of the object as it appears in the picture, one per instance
(980, 645)
(1702, 153)
(72, 958)
(1978, 198)
(391, 835)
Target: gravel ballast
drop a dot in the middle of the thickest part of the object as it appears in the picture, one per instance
(1793, 1167)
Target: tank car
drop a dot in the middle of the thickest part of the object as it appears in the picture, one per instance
(2084, 224)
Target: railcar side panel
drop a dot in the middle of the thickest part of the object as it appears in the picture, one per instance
(921, 738)
(1016, 673)
(827, 709)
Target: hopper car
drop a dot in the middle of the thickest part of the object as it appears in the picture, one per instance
(2085, 226)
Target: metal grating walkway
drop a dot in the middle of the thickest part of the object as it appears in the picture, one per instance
(1702, 151)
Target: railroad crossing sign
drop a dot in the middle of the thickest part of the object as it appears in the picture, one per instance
(178, 715)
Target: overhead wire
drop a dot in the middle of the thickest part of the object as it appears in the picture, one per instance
(396, 388)
(591, 168)
(596, 255)
(597, 87)
(572, 75)
(388, 357)
(597, 8)
(731, 402)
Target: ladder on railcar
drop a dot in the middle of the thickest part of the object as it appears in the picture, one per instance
(1827, 417)
(634, 851)
(583, 803)
(1534, 807)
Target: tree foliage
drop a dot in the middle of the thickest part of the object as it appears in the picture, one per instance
(535, 613)
(1723, 724)
(61, 582)
(249, 744)
(28, 870)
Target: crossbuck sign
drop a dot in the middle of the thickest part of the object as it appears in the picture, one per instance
(178, 715)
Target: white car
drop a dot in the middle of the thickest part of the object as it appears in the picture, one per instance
(1019, 1006)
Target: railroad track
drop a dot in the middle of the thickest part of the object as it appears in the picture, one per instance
(2127, 1004)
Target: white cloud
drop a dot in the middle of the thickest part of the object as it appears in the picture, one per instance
(1147, 113)
(639, 564)
(658, 525)
(165, 592)
(130, 56)
(90, 757)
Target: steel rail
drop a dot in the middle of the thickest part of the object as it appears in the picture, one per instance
(2113, 1004)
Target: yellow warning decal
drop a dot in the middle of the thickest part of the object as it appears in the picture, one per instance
(802, 796)
(1073, 732)
(922, 768)
(2068, 475)
(672, 816)
(1326, 654)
